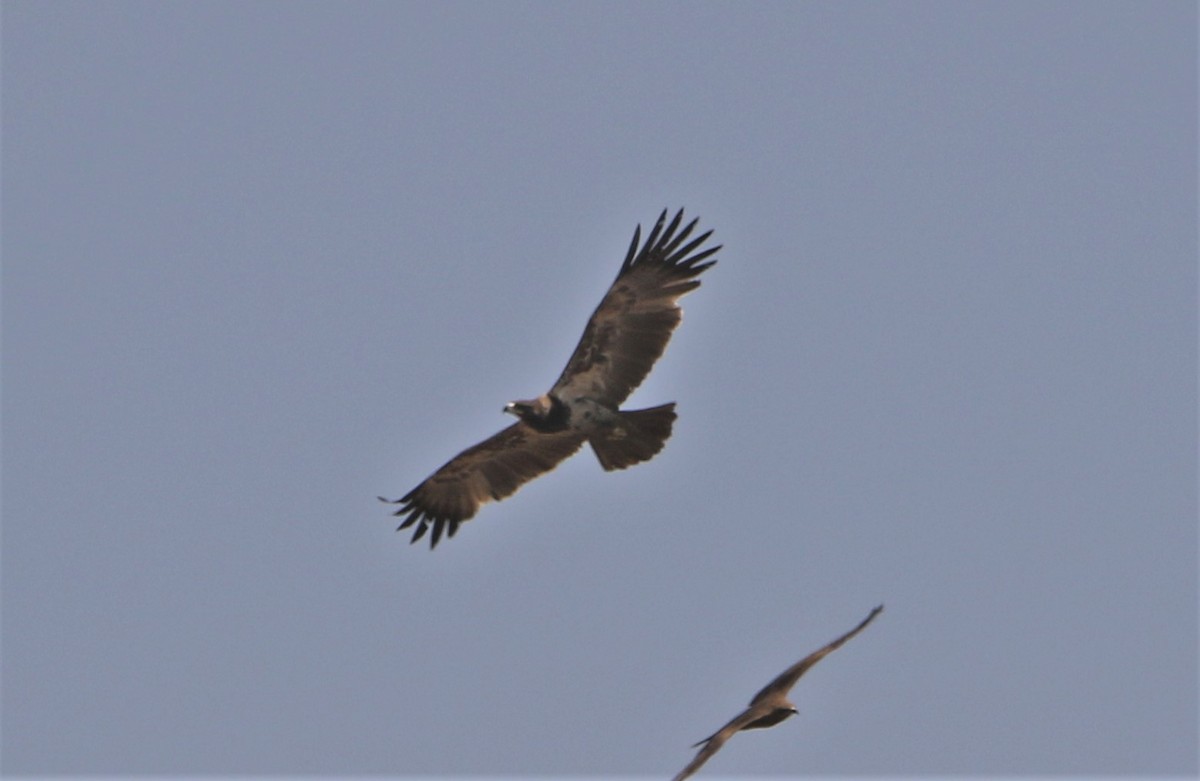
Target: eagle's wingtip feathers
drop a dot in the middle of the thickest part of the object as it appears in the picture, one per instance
(662, 247)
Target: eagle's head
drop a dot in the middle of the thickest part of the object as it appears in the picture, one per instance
(545, 413)
(529, 410)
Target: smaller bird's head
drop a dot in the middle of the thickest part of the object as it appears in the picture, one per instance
(786, 711)
(776, 714)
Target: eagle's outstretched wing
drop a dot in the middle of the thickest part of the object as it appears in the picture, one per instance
(493, 469)
(630, 329)
(787, 679)
(712, 744)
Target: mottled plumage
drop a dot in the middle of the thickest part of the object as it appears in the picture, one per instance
(626, 334)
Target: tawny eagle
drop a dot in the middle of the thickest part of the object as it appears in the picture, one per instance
(624, 337)
(771, 705)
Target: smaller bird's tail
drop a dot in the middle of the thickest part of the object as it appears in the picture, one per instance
(637, 436)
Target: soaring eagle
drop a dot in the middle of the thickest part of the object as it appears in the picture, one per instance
(771, 705)
(624, 337)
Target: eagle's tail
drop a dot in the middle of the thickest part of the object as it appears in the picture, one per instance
(637, 436)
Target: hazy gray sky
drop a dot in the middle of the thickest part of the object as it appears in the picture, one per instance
(262, 262)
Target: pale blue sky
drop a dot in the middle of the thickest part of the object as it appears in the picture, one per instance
(262, 262)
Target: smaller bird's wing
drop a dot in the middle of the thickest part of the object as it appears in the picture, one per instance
(630, 328)
(787, 679)
(491, 470)
(712, 744)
